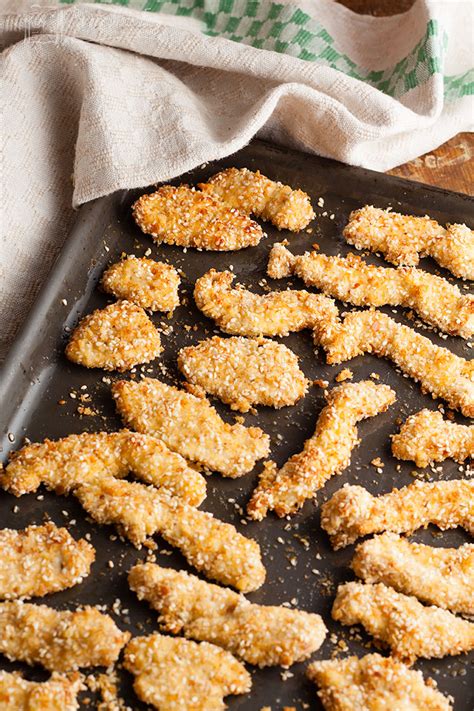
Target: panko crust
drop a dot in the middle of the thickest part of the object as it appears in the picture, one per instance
(213, 547)
(373, 683)
(58, 693)
(244, 372)
(40, 560)
(190, 426)
(117, 337)
(353, 512)
(253, 193)
(258, 634)
(410, 629)
(437, 576)
(59, 640)
(325, 454)
(145, 282)
(187, 217)
(181, 675)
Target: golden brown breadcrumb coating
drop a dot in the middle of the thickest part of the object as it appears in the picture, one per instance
(189, 218)
(426, 437)
(40, 560)
(114, 338)
(80, 458)
(258, 634)
(402, 239)
(59, 640)
(243, 372)
(374, 683)
(190, 425)
(210, 545)
(353, 512)
(352, 280)
(180, 675)
(400, 621)
(147, 283)
(326, 453)
(251, 192)
(438, 576)
(58, 693)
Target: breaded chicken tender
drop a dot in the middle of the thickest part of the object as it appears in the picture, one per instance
(213, 547)
(437, 576)
(402, 239)
(78, 459)
(253, 193)
(326, 453)
(243, 372)
(180, 675)
(41, 560)
(409, 628)
(189, 218)
(353, 512)
(374, 683)
(146, 283)
(258, 634)
(190, 426)
(426, 437)
(114, 338)
(239, 311)
(59, 640)
(59, 693)
(352, 280)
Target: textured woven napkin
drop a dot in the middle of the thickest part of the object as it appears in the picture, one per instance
(100, 97)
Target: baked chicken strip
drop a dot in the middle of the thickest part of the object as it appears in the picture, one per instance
(437, 576)
(77, 459)
(187, 217)
(210, 545)
(373, 683)
(352, 512)
(402, 239)
(352, 280)
(258, 634)
(426, 437)
(400, 621)
(147, 283)
(326, 453)
(41, 560)
(190, 425)
(59, 693)
(180, 675)
(59, 640)
(243, 372)
(253, 193)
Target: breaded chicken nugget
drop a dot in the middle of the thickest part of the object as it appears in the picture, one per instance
(326, 453)
(77, 459)
(409, 628)
(149, 284)
(59, 693)
(352, 280)
(243, 372)
(251, 192)
(438, 576)
(210, 545)
(353, 512)
(188, 218)
(41, 560)
(59, 640)
(402, 239)
(374, 683)
(426, 437)
(190, 425)
(114, 338)
(258, 634)
(180, 675)
(239, 311)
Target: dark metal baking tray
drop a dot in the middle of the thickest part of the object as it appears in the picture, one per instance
(302, 568)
